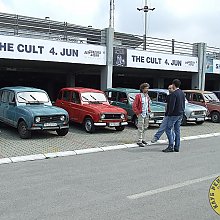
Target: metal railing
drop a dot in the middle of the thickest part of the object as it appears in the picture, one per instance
(11, 24)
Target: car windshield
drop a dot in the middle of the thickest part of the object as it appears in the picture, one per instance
(132, 95)
(210, 97)
(93, 97)
(32, 97)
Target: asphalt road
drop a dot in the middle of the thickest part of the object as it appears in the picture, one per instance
(128, 184)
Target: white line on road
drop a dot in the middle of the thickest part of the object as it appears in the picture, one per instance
(171, 187)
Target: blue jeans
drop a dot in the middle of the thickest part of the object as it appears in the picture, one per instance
(173, 122)
(162, 129)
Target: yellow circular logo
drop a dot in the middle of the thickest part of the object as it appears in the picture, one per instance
(214, 195)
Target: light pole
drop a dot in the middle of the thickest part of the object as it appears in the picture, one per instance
(145, 9)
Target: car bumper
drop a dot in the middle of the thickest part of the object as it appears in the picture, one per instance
(196, 119)
(110, 124)
(41, 127)
(157, 120)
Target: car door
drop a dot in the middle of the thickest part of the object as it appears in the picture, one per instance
(1, 106)
(122, 102)
(112, 97)
(64, 98)
(10, 110)
(4, 106)
(197, 98)
(75, 107)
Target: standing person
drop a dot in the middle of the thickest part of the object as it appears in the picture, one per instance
(141, 107)
(163, 125)
(174, 113)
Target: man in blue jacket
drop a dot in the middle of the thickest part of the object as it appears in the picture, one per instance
(174, 113)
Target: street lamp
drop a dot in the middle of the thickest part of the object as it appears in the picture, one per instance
(145, 9)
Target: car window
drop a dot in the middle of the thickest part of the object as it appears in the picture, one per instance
(153, 95)
(66, 95)
(112, 96)
(11, 97)
(75, 98)
(5, 95)
(122, 97)
(194, 97)
(162, 97)
(1, 95)
(188, 95)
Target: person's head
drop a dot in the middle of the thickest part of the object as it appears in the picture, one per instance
(170, 88)
(144, 87)
(176, 84)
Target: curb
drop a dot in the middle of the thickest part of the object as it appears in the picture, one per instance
(92, 150)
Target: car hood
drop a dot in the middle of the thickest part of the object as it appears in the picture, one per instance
(195, 107)
(44, 110)
(156, 107)
(105, 108)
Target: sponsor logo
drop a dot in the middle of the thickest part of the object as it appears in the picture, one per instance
(214, 195)
(93, 53)
(190, 63)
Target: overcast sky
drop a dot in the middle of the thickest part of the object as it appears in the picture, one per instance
(183, 20)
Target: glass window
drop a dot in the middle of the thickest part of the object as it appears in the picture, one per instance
(162, 97)
(153, 95)
(5, 95)
(32, 97)
(112, 96)
(93, 97)
(195, 98)
(11, 97)
(66, 95)
(75, 98)
(122, 97)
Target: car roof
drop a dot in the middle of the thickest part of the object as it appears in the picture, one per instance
(159, 90)
(127, 90)
(81, 89)
(22, 89)
(197, 91)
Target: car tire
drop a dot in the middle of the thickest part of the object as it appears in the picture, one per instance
(23, 131)
(199, 122)
(119, 128)
(215, 117)
(135, 121)
(62, 132)
(184, 121)
(89, 125)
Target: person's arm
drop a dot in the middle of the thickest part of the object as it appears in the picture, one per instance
(135, 105)
(171, 103)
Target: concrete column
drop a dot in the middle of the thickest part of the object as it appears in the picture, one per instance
(107, 71)
(71, 79)
(198, 79)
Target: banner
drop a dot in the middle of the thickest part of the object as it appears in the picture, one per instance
(149, 60)
(12, 47)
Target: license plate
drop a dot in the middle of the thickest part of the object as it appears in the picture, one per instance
(50, 124)
(113, 124)
(159, 121)
(200, 119)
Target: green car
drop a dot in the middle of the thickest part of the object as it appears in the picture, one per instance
(124, 97)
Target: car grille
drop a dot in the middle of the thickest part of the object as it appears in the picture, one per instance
(53, 118)
(112, 116)
(159, 114)
(199, 112)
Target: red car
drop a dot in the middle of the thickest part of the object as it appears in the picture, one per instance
(91, 108)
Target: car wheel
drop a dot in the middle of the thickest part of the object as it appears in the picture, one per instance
(135, 121)
(199, 122)
(215, 117)
(62, 132)
(120, 128)
(184, 120)
(23, 130)
(89, 125)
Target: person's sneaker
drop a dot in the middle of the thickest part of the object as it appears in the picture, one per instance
(144, 142)
(140, 144)
(168, 149)
(154, 140)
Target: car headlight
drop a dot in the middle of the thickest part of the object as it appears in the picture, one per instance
(37, 119)
(193, 113)
(122, 116)
(102, 116)
(62, 118)
(151, 115)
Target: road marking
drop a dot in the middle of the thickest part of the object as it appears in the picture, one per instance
(171, 187)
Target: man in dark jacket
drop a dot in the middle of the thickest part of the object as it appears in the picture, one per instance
(174, 113)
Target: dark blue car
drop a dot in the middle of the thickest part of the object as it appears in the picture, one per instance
(30, 109)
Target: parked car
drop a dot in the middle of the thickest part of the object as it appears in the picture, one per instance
(206, 99)
(30, 109)
(124, 97)
(91, 108)
(217, 93)
(192, 113)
